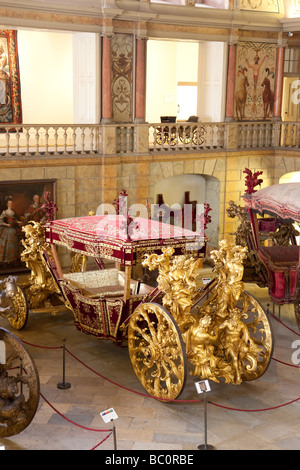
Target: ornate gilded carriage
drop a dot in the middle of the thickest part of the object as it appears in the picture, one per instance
(281, 259)
(219, 328)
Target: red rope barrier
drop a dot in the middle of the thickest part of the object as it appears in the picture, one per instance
(279, 321)
(103, 440)
(72, 422)
(128, 389)
(158, 398)
(285, 363)
(178, 401)
(42, 347)
(250, 411)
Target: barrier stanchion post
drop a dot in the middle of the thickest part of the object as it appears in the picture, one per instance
(109, 416)
(64, 385)
(115, 435)
(203, 387)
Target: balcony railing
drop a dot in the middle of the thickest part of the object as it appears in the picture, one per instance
(42, 140)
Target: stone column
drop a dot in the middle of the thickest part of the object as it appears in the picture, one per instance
(229, 113)
(278, 82)
(106, 108)
(140, 80)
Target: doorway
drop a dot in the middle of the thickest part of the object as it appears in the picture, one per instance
(290, 99)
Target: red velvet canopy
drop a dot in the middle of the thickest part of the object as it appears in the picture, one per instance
(106, 236)
(282, 200)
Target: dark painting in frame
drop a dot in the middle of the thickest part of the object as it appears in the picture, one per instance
(20, 202)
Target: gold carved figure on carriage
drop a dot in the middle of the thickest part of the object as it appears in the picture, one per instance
(228, 336)
(40, 285)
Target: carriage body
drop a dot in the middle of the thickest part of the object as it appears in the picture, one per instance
(173, 323)
(102, 300)
(219, 328)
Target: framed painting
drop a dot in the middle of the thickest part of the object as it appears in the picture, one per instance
(10, 93)
(20, 202)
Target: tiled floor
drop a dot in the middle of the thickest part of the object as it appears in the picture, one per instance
(101, 376)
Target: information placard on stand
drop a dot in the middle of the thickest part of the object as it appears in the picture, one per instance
(203, 387)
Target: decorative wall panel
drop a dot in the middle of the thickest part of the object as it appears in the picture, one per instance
(254, 81)
(122, 77)
(10, 94)
(260, 5)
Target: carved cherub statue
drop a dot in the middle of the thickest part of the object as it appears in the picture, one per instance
(177, 279)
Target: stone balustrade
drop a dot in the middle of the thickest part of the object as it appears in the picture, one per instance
(129, 138)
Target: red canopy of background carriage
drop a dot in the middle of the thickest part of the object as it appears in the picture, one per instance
(281, 200)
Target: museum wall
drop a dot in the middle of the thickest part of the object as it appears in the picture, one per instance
(46, 76)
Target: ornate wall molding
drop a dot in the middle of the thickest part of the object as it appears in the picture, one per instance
(122, 49)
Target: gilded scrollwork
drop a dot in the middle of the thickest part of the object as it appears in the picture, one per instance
(229, 335)
(19, 387)
(253, 267)
(177, 279)
(13, 304)
(40, 284)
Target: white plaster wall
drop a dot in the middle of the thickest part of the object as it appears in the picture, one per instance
(170, 62)
(46, 76)
(202, 188)
(212, 81)
(195, 184)
(161, 91)
(86, 85)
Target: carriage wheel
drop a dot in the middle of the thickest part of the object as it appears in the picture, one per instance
(198, 135)
(19, 316)
(159, 136)
(19, 386)
(261, 334)
(297, 310)
(185, 135)
(172, 136)
(157, 351)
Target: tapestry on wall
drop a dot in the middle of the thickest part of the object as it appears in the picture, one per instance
(254, 81)
(260, 5)
(122, 77)
(10, 94)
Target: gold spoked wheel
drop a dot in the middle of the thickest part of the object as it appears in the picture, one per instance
(19, 316)
(185, 135)
(198, 135)
(19, 386)
(261, 335)
(157, 351)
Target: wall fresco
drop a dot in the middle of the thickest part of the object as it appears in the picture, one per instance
(254, 81)
(122, 77)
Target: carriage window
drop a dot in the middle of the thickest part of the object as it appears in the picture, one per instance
(292, 61)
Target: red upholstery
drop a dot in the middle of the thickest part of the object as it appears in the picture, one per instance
(282, 264)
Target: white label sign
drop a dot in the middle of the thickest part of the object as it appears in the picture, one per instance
(202, 386)
(108, 415)
(2, 353)
(206, 280)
